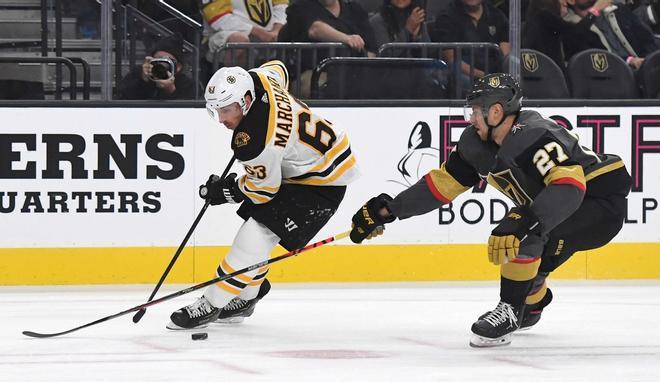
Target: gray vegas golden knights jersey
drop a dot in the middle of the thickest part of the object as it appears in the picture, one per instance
(532, 167)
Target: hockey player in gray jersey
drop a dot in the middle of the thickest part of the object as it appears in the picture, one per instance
(567, 199)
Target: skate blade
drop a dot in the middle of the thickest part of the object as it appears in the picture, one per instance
(229, 321)
(485, 342)
(172, 326)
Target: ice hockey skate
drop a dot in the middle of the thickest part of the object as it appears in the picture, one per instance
(496, 327)
(194, 316)
(532, 313)
(237, 309)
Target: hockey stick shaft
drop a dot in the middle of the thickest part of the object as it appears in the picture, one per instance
(138, 316)
(195, 287)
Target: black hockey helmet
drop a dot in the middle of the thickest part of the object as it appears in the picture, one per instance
(495, 88)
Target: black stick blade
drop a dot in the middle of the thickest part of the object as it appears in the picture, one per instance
(38, 335)
(138, 316)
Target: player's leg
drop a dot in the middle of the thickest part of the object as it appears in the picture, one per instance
(593, 225)
(495, 328)
(538, 298)
(252, 244)
(523, 291)
(295, 215)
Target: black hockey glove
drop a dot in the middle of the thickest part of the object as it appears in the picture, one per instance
(504, 241)
(221, 191)
(367, 222)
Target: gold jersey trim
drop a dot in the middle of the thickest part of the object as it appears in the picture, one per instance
(217, 9)
(519, 270)
(445, 184)
(575, 173)
(271, 106)
(605, 169)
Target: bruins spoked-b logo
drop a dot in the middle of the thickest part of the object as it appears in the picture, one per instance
(494, 82)
(599, 62)
(241, 139)
(231, 79)
(530, 62)
(259, 11)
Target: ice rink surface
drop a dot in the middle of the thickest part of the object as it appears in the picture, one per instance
(593, 331)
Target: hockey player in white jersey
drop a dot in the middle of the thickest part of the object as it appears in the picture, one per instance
(297, 167)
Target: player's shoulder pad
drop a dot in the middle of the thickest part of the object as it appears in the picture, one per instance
(275, 69)
(249, 137)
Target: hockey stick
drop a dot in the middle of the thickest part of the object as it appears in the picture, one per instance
(195, 287)
(138, 316)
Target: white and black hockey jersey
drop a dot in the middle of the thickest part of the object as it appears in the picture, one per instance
(281, 140)
(242, 15)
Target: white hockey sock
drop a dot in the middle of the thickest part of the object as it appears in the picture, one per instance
(252, 244)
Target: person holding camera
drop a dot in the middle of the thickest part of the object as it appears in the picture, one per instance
(160, 77)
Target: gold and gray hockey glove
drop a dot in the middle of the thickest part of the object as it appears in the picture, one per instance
(504, 241)
(367, 221)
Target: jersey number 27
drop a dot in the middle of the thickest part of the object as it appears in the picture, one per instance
(542, 158)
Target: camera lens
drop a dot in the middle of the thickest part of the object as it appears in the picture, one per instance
(159, 71)
(160, 67)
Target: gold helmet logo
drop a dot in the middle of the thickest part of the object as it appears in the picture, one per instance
(211, 89)
(231, 79)
(599, 62)
(259, 11)
(494, 82)
(530, 62)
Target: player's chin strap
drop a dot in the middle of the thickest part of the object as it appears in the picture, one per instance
(498, 124)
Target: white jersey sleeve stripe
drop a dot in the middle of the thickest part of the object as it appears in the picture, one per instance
(253, 186)
(336, 174)
(332, 155)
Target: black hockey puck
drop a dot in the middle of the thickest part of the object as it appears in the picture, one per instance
(199, 336)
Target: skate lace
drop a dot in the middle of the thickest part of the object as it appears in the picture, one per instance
(199, 308)
(501, 314)
(235, 303)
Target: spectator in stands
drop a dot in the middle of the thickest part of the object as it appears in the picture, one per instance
(243, 21)
(648, 12)
(331, 21)
(618, 29)
(473, 21)
(160, 79)
(400, 21)
(503, 5)
(342, 21)
(546, 31)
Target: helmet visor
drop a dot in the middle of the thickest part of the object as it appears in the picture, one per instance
(213, 112)
(471, 112)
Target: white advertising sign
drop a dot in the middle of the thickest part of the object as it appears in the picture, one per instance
(128, 177)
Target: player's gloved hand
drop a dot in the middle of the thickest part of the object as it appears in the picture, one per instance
(504, 241)
(367, 221)
(221, 191)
